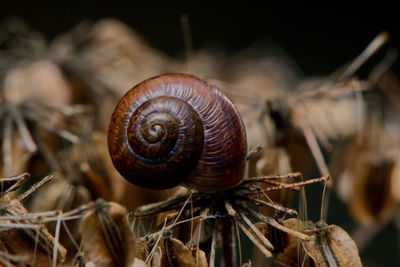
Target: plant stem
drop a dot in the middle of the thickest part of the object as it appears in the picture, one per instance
(228, 242)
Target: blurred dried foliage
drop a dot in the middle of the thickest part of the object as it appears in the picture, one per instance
(56, 99)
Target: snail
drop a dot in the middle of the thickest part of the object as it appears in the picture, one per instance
(176, 129)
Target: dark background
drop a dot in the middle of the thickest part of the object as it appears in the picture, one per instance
(318, 38)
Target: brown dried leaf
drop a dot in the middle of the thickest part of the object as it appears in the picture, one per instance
(373, 200)
(106, 236)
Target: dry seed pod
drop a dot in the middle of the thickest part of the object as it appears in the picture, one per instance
(329, 245)
(373, 199)
(286, 246)
(171, 252)
(106, 236)
(177, 254)
(368, 184)
(117, 56)
(177, 129)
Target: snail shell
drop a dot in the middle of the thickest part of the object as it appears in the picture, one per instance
(177, 129)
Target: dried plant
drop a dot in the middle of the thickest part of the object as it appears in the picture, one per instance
(56, 99)
(231, 210)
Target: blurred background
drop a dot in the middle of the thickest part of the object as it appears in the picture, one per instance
(318, 39)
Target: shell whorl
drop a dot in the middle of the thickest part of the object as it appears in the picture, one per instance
(177, 129)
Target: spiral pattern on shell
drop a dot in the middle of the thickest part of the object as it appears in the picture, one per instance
(177, 129)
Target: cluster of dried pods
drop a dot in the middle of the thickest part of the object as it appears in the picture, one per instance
(176, 129)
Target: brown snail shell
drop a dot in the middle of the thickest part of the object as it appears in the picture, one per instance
(177, 129)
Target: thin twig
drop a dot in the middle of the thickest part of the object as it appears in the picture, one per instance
(381, 39)
(213, 247)
(34, 188)
(263, 178)
(298, 184)
(23, 130)
(161, 206)
(187, 37)
(253, 151)
(56, 237)
(265, 251)
(275, 224)
(275, 206)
